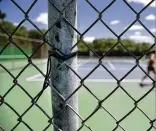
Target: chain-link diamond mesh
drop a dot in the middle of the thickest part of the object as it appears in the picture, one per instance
(62, 57)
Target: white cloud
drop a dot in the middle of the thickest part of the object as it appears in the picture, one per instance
(136, 27)
(137, 33)
(150, 17)
(42, 18)
(114, 22)
(143, 2)
(153, 30)
(89, 39)
(16, 24)
(141, 38)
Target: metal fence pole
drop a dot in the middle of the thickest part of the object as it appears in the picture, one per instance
(63, 37)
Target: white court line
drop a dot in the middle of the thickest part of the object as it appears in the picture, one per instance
(116, 69)
(34, 78)
(113, 80)
(111, 65)
(82, 63)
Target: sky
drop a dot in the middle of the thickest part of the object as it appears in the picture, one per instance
(117, 17)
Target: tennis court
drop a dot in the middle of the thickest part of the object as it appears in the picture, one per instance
(100, 83)
(118, 67)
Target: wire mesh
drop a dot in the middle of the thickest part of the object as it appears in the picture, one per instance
(64, 57)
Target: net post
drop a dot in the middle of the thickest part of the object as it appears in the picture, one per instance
(63, 81)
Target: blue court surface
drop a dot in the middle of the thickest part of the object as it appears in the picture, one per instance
(118, 67)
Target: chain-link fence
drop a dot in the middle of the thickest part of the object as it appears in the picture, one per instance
(62, 73)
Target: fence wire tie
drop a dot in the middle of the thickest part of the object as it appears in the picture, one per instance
(46, 81)
(58, 55)
(61, 56)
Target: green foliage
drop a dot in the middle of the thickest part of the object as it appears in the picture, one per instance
(7, 26)
(2, 15)
(10, 27)
(22, 31)
(82, 47)
(34, 34)
(101, 46)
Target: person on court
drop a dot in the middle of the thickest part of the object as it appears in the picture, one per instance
(150, 67)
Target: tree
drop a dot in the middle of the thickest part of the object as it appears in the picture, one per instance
(7, 26)
(35, 34)
(22, 31)
(2, 15)
(10, 27)
(82, 47)
(103, 45)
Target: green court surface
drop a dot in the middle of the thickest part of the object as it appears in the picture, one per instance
(118, 104)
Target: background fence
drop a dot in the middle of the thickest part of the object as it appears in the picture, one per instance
(20, 103)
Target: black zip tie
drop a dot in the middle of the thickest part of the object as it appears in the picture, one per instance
(61, 56)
